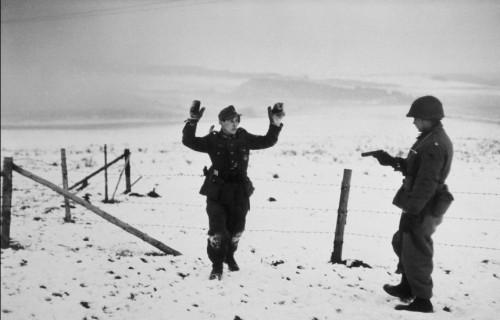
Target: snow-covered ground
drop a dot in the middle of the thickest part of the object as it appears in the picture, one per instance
(91, 269)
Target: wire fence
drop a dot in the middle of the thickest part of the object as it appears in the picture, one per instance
(149, 202)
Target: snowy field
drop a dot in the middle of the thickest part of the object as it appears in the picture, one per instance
(91, 269)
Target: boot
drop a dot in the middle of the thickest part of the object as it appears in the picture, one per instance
(418, 305)
(231, 263)
(216, 272)
(402, 290)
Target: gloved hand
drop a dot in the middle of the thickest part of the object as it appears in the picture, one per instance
(276, 114)
(408, 221)
(386, 159)
(195, 112)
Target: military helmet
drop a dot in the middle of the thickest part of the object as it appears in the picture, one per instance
(427, 108)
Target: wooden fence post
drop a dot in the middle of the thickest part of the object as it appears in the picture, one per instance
(6, 202)
(128, 187)
(341, 217)
(105, 174)
(67, 217)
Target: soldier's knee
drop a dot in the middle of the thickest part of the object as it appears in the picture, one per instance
(236, 238)
(217, 240)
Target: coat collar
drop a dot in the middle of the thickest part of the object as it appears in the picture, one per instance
(226, 136)
(430, 131)
(229, 136)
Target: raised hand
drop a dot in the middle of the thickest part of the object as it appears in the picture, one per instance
(278, 109)
(276, 113)
(195, 112)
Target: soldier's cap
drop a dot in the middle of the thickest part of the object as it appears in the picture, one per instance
(228, 113)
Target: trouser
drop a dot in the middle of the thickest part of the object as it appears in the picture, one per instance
(226, 225)
(415, 250)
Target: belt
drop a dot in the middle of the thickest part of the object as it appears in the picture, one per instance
(230, 176)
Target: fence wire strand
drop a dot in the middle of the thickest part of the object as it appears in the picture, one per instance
(287, 181)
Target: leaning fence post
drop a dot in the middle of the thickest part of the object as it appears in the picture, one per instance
(125, 226)
(67, 217)
(341, 217)
(6, 201)
(128, 187)
(105, 174)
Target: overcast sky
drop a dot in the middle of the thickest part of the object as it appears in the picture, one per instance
(44, 41)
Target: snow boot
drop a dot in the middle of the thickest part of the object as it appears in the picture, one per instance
(418, 305)
(216, 272)
(401, 291)
(231, 263)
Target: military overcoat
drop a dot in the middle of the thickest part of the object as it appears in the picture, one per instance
(226, 180)
(425, 169)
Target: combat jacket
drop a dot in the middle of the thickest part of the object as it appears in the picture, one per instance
(426, 168)
(227, 179)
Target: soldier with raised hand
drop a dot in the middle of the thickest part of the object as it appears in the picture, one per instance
(227, 186)
(424, 198)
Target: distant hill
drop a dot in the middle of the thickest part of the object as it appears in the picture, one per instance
(304, 89)
(103, 93)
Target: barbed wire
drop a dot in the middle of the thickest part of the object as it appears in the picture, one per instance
(297, 182)
(54, 164)
(477, 193)
(473, 219)
(287, 181)
(167, 204)
(296, 232)
(291, 231)
(454, 192)
(268, 230)
(203, 205)
(374, 188)
(374, 211)
(437, 243)
(447, 216)
(312, 209)
(466, 246)
(289, 208)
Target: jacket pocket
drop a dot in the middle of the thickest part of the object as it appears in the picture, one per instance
(408, 183)
(442, 201)
(212, 186)
(248, 187)
(401, 198)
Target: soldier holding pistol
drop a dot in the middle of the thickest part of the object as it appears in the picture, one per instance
(424, 198)
(227, 186)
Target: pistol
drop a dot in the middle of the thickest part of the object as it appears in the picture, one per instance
(372, 153)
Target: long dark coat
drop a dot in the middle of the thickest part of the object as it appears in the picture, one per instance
(426, 169)
(226, 180)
